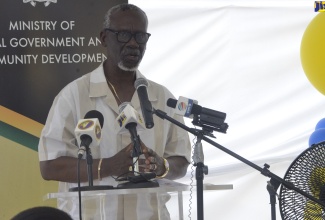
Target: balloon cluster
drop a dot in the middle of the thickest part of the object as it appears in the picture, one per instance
(312, 52)
(319, 134)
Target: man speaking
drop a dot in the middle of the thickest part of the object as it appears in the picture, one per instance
(166, 147)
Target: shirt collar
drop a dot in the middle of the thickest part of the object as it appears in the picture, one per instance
(99, 87)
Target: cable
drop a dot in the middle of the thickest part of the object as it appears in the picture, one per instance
(124, 176)
(191, 183)
(79, 191)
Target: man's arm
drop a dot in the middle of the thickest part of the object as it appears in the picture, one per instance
(177, 164)
(177, 167)
(64, 168)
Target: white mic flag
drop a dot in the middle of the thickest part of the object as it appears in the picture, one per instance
(128, 115)
(88, 130)
(184, 106)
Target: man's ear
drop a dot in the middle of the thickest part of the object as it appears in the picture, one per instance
(103, 36)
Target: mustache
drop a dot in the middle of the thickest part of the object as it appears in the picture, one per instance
(132, 52)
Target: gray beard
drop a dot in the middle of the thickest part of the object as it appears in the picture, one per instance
(122, 67)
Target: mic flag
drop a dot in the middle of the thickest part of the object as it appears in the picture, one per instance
(127, 116)
(141, 85)
(183, 106)
(88, 130)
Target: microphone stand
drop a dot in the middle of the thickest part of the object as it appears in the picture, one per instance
(272, 187)
(276, 180)
(136, 148)
(90, 186)
(89, 159)
(201, 169)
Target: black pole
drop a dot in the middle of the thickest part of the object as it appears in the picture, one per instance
(199, 190)
(135, 139)
(89, 159)
(201, 169)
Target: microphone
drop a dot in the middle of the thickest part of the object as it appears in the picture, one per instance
(88, 131)
(207, 118)
(191, 107)
(141, 85)
(128, 120)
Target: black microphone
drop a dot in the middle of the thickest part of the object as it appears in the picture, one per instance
(88, 131)
(141, 85)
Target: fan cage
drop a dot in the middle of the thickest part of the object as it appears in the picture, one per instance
(307, 172)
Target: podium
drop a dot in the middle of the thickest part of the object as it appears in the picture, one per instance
(169, 194)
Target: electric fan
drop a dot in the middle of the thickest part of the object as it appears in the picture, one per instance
(307, 172)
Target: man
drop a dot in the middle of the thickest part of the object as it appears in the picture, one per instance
(166, 147)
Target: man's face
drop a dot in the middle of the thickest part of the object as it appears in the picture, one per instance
(126, 55)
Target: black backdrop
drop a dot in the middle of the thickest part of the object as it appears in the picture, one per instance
(29, 85)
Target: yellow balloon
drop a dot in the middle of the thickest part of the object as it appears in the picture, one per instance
(312, 52)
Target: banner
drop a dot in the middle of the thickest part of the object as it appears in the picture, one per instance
(44, 45)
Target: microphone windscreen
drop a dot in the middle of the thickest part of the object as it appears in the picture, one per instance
(171, 103)
(95, 114)
(140, 82)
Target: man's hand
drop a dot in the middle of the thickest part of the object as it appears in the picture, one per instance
(152, 162)
(119, 164)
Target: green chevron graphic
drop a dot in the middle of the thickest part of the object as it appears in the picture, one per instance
(18, 136)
